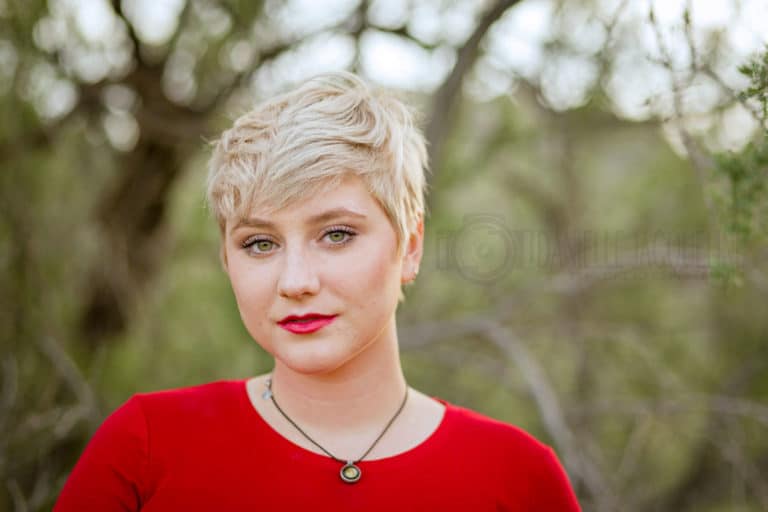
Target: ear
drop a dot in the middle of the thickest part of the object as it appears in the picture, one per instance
(414, 248)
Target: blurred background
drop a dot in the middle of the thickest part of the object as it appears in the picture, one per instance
(595, 249)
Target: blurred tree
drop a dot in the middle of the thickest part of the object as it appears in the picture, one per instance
(651, 387)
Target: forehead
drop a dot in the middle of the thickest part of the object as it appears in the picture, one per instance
(326, 201)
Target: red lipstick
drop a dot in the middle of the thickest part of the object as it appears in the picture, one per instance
(305, 324)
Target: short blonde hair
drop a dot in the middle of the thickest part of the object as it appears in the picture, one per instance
(306, 140)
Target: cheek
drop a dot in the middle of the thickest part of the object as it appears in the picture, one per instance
(251, 293)
(358, 271)
(368, 280)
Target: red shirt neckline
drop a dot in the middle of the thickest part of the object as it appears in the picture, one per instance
(427, 445)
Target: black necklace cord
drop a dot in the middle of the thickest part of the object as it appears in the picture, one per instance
(389, 424)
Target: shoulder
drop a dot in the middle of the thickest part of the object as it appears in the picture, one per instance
(527, 468)
(208, 398)
(200, 415)
(159, 411)
(207, 389)
(142, 440)
(196, 408)
(476, 428)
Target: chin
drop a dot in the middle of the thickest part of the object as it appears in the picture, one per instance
(312, 360)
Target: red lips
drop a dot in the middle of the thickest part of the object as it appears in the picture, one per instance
(305, 324)
(307, 316)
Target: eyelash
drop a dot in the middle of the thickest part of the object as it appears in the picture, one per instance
(250, 242)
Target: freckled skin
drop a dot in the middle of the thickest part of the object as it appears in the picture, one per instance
(302, 268)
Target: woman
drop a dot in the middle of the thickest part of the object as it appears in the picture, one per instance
(319, 197)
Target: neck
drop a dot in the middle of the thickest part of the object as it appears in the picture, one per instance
(362, 394)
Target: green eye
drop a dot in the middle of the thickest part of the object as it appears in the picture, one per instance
(340, 235)
(263, 245)
(258, 246)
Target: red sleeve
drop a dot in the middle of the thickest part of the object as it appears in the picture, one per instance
(109, 476)
(555, 491)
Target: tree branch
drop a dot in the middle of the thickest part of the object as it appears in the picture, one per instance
(446, 98)
(70, 374)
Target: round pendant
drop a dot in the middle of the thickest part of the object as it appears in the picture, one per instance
(350, 473)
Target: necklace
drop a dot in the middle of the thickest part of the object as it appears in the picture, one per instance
(350, 472)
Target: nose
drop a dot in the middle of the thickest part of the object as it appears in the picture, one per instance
(297, 277)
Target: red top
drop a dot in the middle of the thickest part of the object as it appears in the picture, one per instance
(207, 448)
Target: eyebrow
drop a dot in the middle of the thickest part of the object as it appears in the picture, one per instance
(319, 218)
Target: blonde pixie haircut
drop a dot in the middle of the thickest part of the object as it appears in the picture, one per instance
(307, 140)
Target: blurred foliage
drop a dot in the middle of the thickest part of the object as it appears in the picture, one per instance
(747, 170)
(757, 72)
(582, 235)
(743, 200)
(746, 174)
